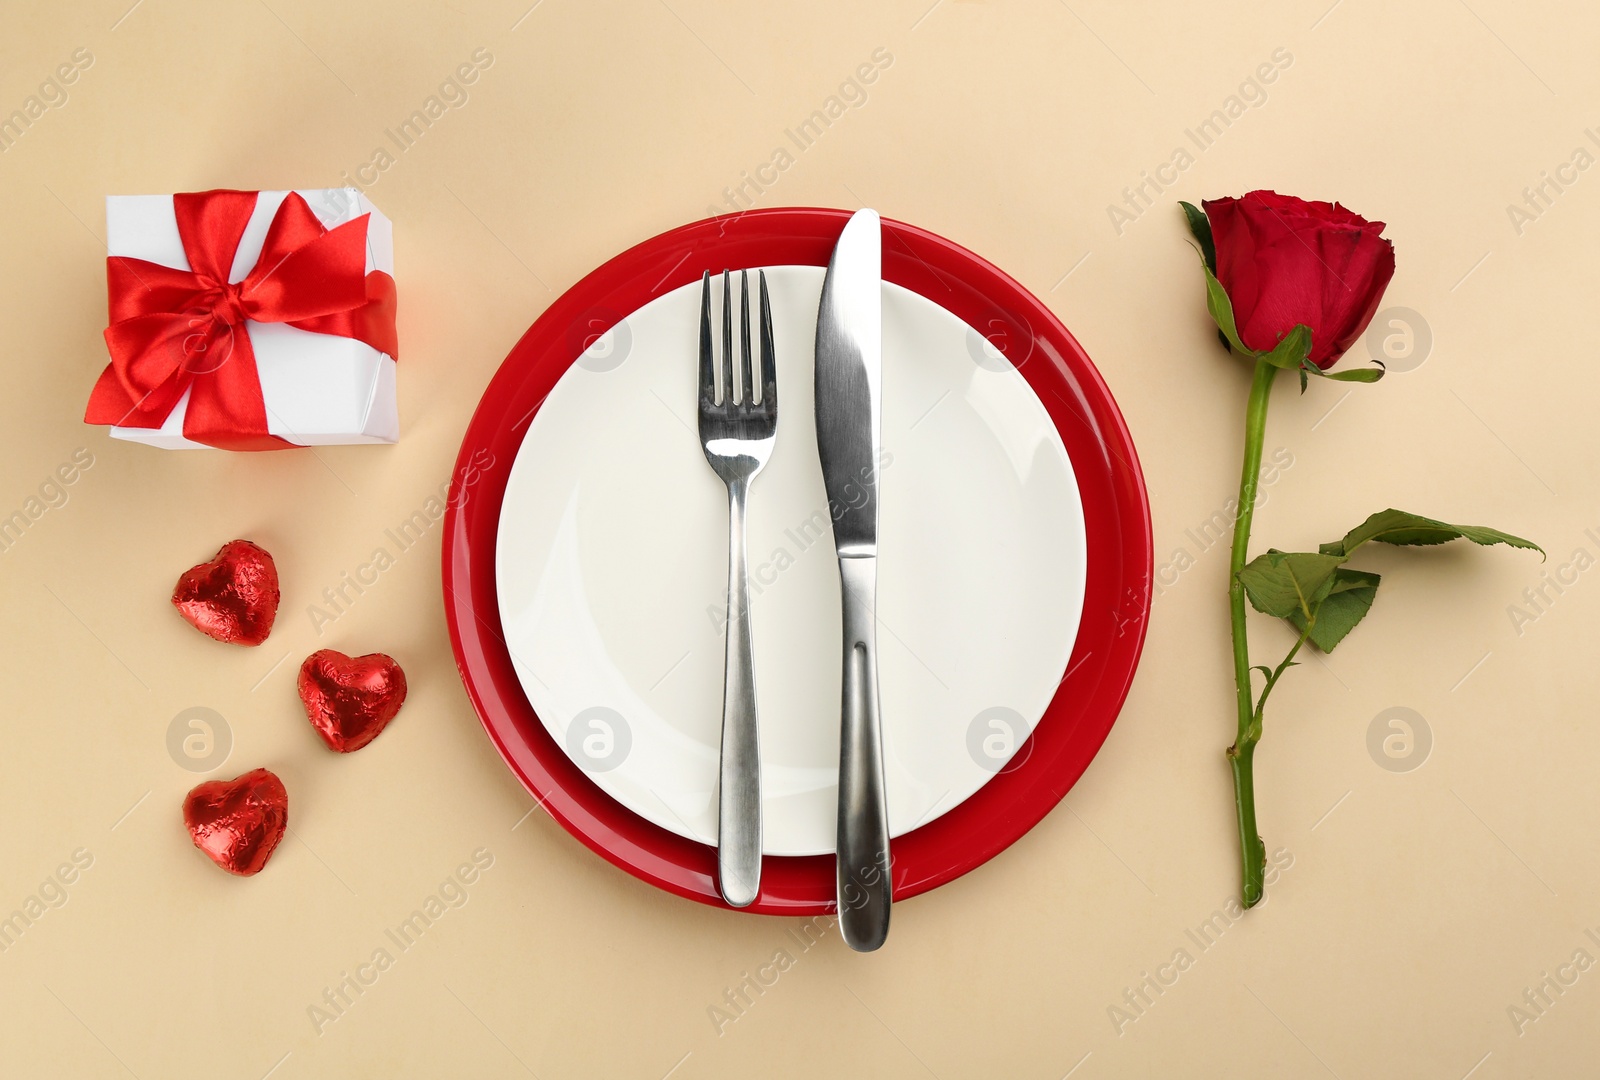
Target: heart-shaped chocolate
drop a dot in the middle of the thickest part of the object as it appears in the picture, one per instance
(349, 701)
(238, 822)
(234, 597)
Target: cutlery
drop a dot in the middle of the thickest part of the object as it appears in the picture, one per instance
(737, 432)
(848, 398)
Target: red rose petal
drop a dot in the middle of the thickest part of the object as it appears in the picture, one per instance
(1287, 262)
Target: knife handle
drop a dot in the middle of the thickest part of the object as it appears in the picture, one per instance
(863, 824)
(739, 797)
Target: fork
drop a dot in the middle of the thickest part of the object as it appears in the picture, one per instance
(737, 432)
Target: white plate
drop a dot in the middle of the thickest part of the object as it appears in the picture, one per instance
(611, 566)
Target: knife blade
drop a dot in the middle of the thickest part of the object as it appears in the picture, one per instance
(849, 367)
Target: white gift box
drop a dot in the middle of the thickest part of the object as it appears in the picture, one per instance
(320, 389)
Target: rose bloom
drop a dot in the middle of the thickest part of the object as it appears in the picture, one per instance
(1285, 261)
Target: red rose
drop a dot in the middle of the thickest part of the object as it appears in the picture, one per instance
(1285, 261)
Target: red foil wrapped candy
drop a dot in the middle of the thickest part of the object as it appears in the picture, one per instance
(234, 597)
(238, 822)
(350, 701)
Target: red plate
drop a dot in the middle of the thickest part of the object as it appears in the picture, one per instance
(1116, 514)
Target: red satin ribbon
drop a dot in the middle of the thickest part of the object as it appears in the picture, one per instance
(176, 330)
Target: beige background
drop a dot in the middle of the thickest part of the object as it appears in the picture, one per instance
(1418, 907)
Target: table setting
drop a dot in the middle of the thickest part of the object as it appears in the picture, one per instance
(493, 610)
(543, 639)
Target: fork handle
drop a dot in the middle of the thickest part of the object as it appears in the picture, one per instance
(863, 825)
(739, 802)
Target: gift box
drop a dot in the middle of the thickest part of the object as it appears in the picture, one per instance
(249, 320)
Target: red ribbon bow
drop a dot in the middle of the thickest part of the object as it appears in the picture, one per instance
(184, 330)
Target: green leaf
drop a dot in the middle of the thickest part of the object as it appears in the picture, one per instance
(1291, 350)
(1282, 583)
(1200, 226)
(1412, 530)
(1361, 375)
(1221, 309)
(1346, 604)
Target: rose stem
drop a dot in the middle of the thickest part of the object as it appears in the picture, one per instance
(1241, 755)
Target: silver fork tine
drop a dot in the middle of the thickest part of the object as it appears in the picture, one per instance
(769, 373)
(708, 378)
(747, 385)
(728, 396)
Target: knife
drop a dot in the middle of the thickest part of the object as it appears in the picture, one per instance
(849, 372)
